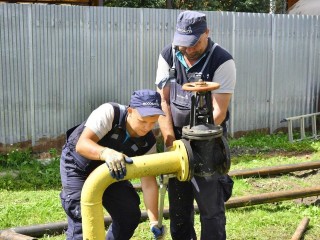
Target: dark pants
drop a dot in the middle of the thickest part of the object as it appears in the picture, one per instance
(213, 192)
(119, 199)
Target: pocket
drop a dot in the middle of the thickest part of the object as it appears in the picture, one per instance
(180, 97)
(180, 104)
(71, 207)
(180, 117)
(226, 184)
(80, 162)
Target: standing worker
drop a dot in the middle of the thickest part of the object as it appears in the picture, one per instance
(110, 135)
(191, 56)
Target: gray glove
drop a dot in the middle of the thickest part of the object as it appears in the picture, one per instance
(116, 162)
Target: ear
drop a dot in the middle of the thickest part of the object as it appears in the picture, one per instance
(130, 110)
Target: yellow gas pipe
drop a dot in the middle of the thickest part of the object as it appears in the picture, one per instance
(175, 161)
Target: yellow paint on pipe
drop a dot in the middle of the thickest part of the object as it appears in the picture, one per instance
(175, 161)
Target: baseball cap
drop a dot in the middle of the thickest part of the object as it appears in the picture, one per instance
(190, 25)
(147, 102)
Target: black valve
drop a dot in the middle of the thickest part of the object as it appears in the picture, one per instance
(209, 146)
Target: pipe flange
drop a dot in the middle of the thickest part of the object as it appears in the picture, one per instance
(186, 159)
(202, 132)
(190, 159)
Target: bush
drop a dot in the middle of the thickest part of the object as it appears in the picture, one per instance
(22, 171)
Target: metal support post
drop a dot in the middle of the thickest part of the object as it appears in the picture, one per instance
(164, 180)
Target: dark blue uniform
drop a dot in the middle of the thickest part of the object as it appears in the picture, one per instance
(214, 190)
(119, 199)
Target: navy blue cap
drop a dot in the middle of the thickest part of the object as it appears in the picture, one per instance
(190, 25)
(147, 102)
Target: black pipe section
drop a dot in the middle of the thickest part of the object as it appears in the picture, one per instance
(57, 228)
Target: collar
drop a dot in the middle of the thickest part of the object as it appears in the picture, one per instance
(180, 57)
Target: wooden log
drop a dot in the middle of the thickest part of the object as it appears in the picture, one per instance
(11, 235)
(301, 229)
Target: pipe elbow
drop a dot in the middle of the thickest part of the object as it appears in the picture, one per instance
(95, 185)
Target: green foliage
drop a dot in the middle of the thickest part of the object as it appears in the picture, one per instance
(16, 158)
(252, 6)
(21, 170)
(160, 145)
(260, 6)
(135, 3)
(257, 6)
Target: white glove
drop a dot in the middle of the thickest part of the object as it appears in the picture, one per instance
(116, 162)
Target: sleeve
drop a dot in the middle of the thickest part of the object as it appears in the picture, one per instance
(162, 72)
(100, 120)
(225, 75)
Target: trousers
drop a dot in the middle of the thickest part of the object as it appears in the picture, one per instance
(210, 194)
(120, 200)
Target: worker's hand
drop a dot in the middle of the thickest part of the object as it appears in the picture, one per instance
(116, 162)
(158, 232)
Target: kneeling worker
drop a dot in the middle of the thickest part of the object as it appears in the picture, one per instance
(112, 132)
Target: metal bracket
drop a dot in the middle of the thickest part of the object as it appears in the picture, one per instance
(164, 180)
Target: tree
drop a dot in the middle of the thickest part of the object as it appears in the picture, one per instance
(258, 6)
(136, 3)
(169, 4)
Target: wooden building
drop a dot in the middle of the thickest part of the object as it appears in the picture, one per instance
(59, 2)
(305, 7)
(290, 3)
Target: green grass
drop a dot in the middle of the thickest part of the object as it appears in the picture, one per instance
(271, 221)
(29, 190)
(27, 207)
(273, 142)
